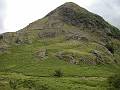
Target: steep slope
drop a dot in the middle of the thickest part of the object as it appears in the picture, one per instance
(72, 14)
(72, 24)
(70, 38)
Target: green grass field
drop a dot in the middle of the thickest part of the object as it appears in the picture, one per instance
(80, 45)
(20, 63)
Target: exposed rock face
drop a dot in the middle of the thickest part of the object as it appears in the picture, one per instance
(73, 14)
(73, 59)
(3, 49)
(93, 58)
(70, 14)
(41, 54)
(15, 38)
(67, 57)
(99, 58)
(61, 27)
(86, 60)
(77, 36)
(21, 41)
(18, 41)
(47, 34)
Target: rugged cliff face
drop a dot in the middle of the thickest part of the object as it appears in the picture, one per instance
(69, 33)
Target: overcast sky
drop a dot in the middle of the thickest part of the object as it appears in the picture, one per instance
(16, 14)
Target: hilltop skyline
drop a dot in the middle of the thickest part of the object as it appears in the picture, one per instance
(13, 17)
(70, 48)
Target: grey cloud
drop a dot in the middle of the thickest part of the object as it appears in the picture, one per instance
(109, 9)
(118, 2)
(2, 15)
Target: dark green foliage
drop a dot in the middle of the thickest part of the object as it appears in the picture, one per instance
(28, 84)
(114, 82)
(58, 73)
(1, 37)
(42, 87)
(115, 32)
(110, 47)
(14, 84)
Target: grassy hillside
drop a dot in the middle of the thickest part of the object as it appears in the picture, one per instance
(20, 62)
(84, 49)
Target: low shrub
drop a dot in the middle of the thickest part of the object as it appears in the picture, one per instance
(110, 47)
(58, 73)
(114, 82)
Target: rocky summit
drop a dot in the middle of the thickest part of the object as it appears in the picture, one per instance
(69, 37)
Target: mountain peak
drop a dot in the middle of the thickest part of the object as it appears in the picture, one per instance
(61, 9)
(70, 4)
(72, 14)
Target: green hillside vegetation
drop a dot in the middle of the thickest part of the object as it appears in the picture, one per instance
(69, 49)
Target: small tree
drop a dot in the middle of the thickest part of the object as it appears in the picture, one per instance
(13, 84)
(28, 84)
(58, 73)
(110, 47)
(114, 82)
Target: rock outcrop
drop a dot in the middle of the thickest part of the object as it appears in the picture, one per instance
(41, 54)
(68, 27)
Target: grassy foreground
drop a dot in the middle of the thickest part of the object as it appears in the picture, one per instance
(20, 65)
(82, 45)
